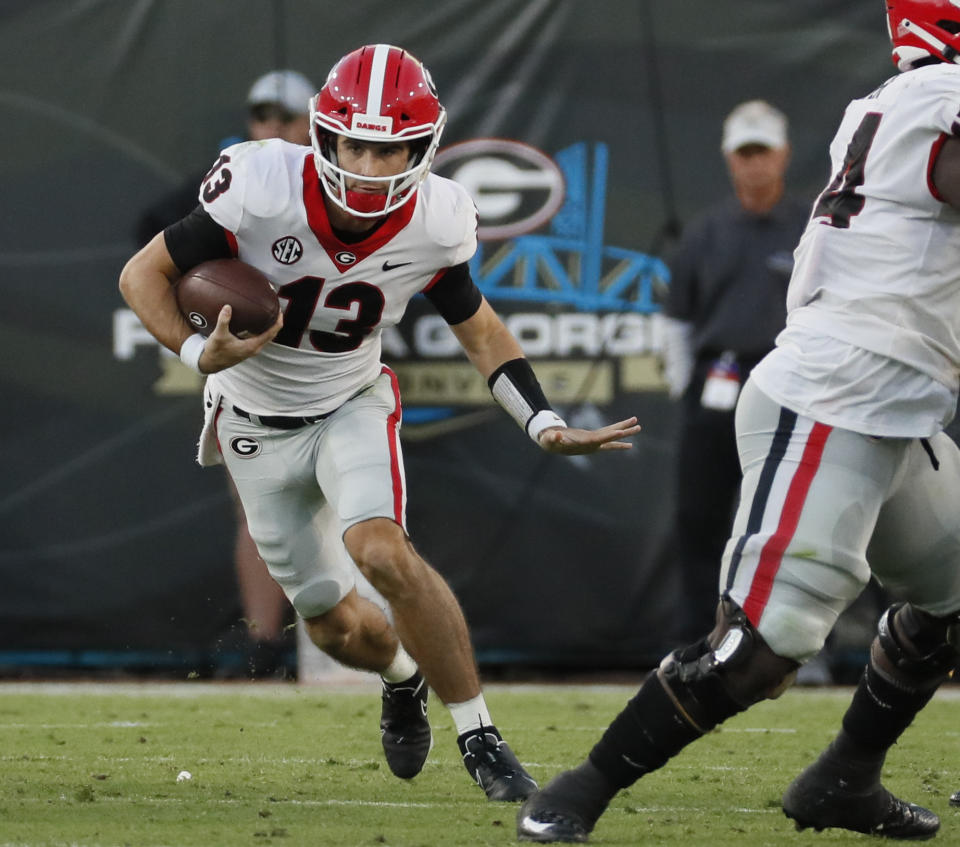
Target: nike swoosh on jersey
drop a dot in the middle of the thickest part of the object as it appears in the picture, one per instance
(388, 267)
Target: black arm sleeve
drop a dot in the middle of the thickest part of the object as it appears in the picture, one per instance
(196, 238)
(455, 295)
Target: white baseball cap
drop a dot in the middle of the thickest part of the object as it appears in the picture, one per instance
(290, 89)
(754, 122)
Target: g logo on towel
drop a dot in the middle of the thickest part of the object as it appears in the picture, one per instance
(244, 446)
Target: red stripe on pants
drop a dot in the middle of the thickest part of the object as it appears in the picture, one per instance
(773, 550)
(393, 439)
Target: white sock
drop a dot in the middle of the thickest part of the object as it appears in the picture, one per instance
(401, 668)
(470, 715)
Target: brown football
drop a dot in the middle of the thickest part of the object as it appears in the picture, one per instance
(203, 290)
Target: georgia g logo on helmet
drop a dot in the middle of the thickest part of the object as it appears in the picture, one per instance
(377, 93)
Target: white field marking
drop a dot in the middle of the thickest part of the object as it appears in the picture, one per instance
(95, 725)
(134, 724)
(680, 809)
(261, 689)
(185, 690)
(594, 728)
(218, 762)
(756, 729)
(286, 690)
(236, 801)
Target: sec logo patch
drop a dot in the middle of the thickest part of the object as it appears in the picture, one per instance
(287, 250)
(244, 446)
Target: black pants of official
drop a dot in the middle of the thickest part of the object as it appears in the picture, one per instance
(707, 489)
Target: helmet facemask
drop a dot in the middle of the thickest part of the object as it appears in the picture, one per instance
(376, 94)
(924, 31)
(396, 189)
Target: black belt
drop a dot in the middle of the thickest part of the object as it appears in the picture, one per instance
(279, 421)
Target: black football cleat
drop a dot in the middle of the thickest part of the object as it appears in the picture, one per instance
(493, 765)
(822, 803)
(567, 808)
(541, 820)
(404, 728)
(955, 798)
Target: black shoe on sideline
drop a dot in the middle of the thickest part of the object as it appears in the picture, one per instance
(404, 728)
(493, 765)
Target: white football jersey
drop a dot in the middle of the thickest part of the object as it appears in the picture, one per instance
(877, 271)
(336, 297)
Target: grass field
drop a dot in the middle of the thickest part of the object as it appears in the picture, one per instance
(97, 764)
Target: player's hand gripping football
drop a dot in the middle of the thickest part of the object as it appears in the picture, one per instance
(573, 442)
(224, 349)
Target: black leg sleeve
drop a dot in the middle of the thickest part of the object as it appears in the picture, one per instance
(643, 737)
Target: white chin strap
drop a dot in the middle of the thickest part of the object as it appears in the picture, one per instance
(392, 192)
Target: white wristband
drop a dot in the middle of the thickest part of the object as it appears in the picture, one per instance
(191, 350)
(542, 420)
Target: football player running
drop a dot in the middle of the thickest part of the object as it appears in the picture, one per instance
(846, 470)
(306, 416)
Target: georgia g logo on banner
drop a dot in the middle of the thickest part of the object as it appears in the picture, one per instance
(516, 187)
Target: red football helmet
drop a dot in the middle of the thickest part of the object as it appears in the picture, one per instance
(376, 93)
(920, 29)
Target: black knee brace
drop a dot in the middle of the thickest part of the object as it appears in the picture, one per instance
(709, 684)
(693, 690)
(915, 648)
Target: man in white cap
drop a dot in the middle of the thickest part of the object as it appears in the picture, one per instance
(848, 477)
(725, 306)
(279, 107)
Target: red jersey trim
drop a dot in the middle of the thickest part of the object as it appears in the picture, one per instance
(772, 554)
(935, 149)
(319, 222)
(216, 427)
(436, 278)
(232, 242)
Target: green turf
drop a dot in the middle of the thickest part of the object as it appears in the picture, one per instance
(287, 765)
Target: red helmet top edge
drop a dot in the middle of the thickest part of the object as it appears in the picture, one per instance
(923, 29)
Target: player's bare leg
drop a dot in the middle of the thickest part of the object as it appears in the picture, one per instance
(426, 615)
(431, 626)
(357, 633)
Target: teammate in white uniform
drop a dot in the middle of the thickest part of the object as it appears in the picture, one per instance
(846, 470)
(306, 417)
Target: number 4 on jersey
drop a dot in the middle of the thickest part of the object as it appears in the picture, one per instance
(840, 201)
